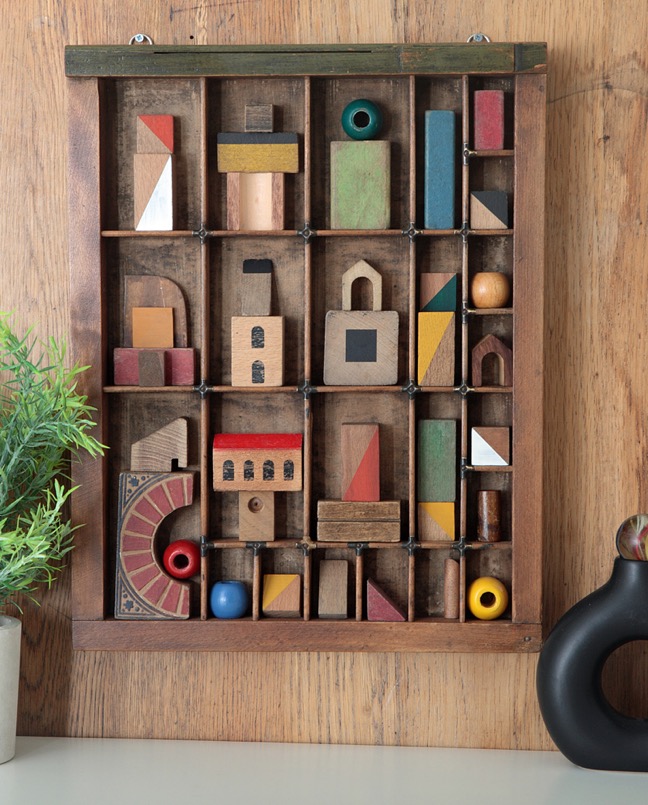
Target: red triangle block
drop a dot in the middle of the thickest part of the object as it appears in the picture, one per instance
(365, 485)
(162, 127)
(380, 607)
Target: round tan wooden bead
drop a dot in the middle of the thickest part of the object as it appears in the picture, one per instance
(490, 289)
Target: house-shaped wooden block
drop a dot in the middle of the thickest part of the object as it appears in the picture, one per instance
(257, 461)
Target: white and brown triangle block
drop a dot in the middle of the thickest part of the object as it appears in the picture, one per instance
(489, 209)
(153, 173)
(360, 462)
(490, 447)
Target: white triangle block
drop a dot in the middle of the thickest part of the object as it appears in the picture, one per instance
(483, 455)
(158, 213)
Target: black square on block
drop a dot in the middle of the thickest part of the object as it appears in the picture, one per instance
(361, 346)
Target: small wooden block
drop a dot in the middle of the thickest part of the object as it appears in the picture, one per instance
(489, 209)
(257, 461)
(333, 589)
(438, 292)
(256, 516)
(157, 451)
(255, 201)
(490, 446)
(488, 119)
(360, 184)
(281, 595)
(491, 345)
(153, 367)
(256, 288)
(153, 192)
(258, 152)
(380, 607)
(436, 521)
(142, 290)
(439, 182)
(257, 350)
(437, 460)
(359, 521)
(182, 364)
(360, 462)
(143, 590)
(259, 117)
(451, 589)
(436, 349)
(155, 134)
(152, 327)
(361, 348)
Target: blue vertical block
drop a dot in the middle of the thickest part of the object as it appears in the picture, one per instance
(439, 170)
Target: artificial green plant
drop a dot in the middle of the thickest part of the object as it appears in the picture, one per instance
(44, 422)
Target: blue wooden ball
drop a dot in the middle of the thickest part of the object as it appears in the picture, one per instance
(362, 119)
(229, 599)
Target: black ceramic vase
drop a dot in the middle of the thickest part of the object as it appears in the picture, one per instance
(583, 724)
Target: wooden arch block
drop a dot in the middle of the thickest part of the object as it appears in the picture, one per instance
(491, 345)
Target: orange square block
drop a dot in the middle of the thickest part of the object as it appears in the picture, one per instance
(153, 327)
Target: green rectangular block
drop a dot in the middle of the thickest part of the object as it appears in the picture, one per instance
(360, 184)
(437, 460)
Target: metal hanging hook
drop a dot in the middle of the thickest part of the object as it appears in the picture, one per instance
(478, 38)
(140, 39)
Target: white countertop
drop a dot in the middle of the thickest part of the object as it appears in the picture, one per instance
(84, 771)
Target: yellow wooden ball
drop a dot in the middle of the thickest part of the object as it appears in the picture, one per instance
(487, 598)
(490, 289)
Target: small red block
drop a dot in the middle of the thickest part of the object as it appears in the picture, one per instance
(489, 120)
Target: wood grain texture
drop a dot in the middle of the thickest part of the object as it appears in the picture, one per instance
(596, 393)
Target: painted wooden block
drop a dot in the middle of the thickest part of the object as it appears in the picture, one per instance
(360, 184)
(256, 288)
(490, 446)
(256, 516)
(333, 594)
(158, 451)
(153, 367)
(153, 192)
(152, 327)
(437, 460)
(257, 461)
(155, 134)
(359, 521)
(439, 181)
(360, 462)
(489, 209)
(451, 574)
(488, 119)
(255, 201)
(281, 595)
(438, 292)
(258, 152)
(143, 590)
(361, 346)
(491, 345)
(144, 290)
(257, 350)
(380, 606)
(436, 349)
(436, 521)
(259, 117)
(180, 366)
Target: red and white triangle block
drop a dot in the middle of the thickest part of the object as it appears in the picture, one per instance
(153, 173)
(360, 462)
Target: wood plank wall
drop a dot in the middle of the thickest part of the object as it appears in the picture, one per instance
(596, 384)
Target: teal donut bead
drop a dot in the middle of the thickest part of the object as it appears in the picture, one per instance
(362, 119)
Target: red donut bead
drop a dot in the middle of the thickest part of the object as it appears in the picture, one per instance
(182, 559)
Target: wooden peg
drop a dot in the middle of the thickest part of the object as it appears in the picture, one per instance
(489, 515)
(451, 589)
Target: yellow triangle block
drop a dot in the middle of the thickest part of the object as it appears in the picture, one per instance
(436, 521)
(281, 594)
(431, 329)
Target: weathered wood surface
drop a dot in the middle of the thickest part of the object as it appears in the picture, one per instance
(595, 399)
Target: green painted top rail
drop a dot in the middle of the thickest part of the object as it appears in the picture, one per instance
(131, 61)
